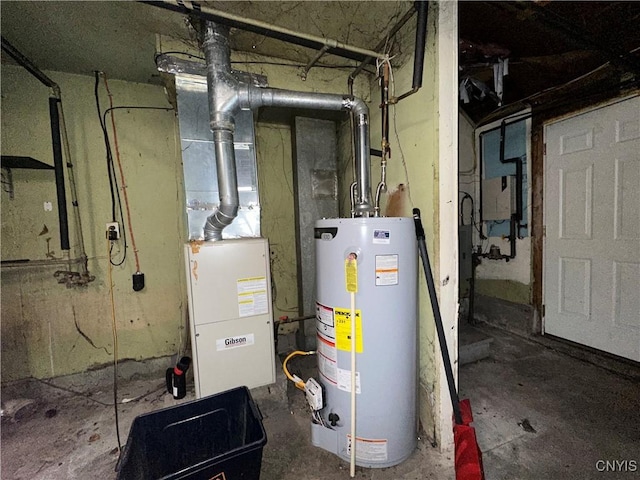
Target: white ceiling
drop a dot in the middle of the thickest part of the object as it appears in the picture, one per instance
(119, 37)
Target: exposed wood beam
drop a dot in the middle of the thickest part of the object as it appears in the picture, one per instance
(577, 35)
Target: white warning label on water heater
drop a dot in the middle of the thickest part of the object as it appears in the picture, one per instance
(369, 449)
(325, 324)
(252, 296)
(344, 380)
(386, 270)
(327, 360)
(326, 344)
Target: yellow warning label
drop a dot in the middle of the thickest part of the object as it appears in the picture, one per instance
(351, 273)
(342, 318)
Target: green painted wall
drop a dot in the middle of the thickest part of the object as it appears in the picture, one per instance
(509, 290)
(41, 320)
(414, 163)
(45, 326)
(275, 183)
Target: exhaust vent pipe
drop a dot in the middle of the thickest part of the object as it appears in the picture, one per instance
(227, 96)
(222, 95)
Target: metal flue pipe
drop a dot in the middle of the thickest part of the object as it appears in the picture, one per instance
(222, 96)
(269, 97)
(227, 96)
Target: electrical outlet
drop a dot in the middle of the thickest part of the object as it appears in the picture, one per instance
(113, 231)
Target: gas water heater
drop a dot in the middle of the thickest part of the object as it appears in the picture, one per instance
(386, 338)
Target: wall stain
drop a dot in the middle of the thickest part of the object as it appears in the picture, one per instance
(194, 270)
(397, 202)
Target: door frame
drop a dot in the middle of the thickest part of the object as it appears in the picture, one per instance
(538, 190)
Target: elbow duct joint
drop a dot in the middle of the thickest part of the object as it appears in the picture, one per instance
(227, 95)
(217, 222)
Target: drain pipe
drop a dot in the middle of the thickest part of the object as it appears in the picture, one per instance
(227, 96)
(270, 30)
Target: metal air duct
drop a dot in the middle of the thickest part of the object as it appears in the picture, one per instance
(227, 96)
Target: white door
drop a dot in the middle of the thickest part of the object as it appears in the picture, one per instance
(592, 221)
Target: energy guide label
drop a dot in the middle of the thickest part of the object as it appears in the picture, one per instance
(342, 318)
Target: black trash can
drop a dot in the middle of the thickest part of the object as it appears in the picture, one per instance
(219, 437)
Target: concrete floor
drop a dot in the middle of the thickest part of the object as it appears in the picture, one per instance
(539, 414)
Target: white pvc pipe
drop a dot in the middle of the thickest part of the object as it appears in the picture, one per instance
(352, 465)
(328, 42)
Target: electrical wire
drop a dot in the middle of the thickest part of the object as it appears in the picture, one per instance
(116, 203)
(471, 182)
(107, 145)
(111, 109)
(395, 131)
(113, 179)
(317, 417)
(466, 196)
(115, 344)
(122, 178)
(299, 383)
(132, 107)
(124, 256)
(175, 52)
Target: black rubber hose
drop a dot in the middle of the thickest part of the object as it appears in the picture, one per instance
(446, 360)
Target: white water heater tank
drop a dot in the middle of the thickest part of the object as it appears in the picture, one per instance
(386, 338)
